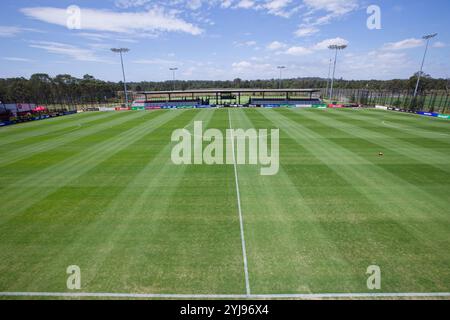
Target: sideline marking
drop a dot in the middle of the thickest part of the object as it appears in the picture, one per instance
(241, 220)
(228, 296)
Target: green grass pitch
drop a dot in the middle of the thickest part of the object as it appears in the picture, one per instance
(99, 190)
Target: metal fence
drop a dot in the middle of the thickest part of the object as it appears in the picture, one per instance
(432, 101)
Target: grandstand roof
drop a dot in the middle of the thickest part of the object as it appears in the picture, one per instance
(228, 91)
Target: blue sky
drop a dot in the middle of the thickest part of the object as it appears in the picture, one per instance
(221, 39)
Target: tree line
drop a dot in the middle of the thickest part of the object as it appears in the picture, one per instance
(66, 89)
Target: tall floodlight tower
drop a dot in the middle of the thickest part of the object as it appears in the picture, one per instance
(173, 76)
(427, 38)
(336, 48)
(328, 78)
(121, 51)
(281, 68)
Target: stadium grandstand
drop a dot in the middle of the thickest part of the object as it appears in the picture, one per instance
(269, 98)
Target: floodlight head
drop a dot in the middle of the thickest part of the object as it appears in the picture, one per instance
(120, 50)
(337, 47)
(281, 67)
(173, 69)
(429, 36)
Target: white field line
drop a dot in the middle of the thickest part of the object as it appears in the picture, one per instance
(241, 220)
(311, 296)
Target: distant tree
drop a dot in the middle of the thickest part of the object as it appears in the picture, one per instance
(425, 81)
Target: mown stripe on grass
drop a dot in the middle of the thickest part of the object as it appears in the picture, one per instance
(45, 129)
(36, 125)
(407, 150)
(14, 155)
(419, 173)
(285, 236)
(424, 223)
(92, 238)
(336, 155)
(335, 235)
(412, 118)
(399, 197)
(405, 128)
(26, 192)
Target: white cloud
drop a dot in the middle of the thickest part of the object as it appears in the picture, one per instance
(439, 44)
(155, 61)
(125, 4)
(226, 3)
(282, 8)
(17, 59)
(298, 51)
(13, 31)
(189, 71)
(277, 7)
(245, 4)
(194, 4)
(153, 20)
(276, 45)
(328, 42)
(301, 51)
(73, 52)
(334, 7)
(404, 44)
(322, 12)
(250, 43)
(250, 67)
(100, 37)
(8, 32)
(377, 64)
(241, 65)
(305, 31)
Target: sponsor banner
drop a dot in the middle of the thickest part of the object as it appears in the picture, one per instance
(122, 109)
(137, 108)
(11, 107)
(336, 106)
(433, 114)
(106, 109)
(381, 107)
(272, 106)
(185, 107)
(429, 114)
(25, 107)
(153, 108)
(301, 106)
(203, 107)
(138, 104)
